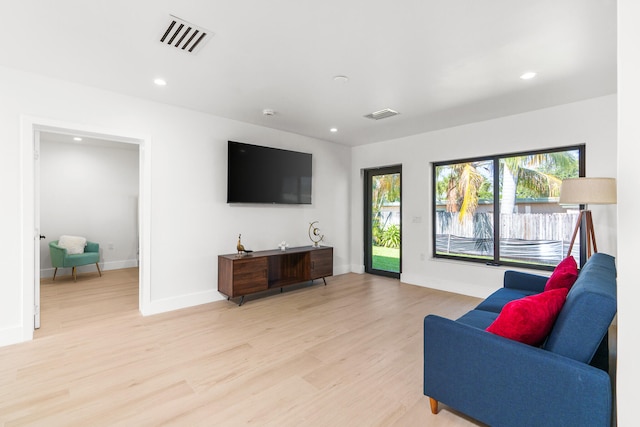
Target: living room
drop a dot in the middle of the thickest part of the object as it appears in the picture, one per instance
(189, 223)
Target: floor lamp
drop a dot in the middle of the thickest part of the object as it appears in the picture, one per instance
(587, 191)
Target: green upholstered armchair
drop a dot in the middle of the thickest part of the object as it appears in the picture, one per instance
(61, 259)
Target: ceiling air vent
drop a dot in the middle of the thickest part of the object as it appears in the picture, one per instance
(382, 114)
(184, 35)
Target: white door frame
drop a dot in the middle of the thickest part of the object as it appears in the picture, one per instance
(29, 129)
(36, 221)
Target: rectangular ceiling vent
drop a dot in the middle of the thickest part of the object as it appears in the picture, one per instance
(382, 114)
(184, 35)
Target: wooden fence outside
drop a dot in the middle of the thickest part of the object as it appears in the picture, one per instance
(526, 226)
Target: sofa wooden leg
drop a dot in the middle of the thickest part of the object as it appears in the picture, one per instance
(99, 272)
(75, 275)
(434, 405)
(54, 273)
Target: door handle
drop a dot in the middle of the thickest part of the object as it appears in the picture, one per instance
(42, 237)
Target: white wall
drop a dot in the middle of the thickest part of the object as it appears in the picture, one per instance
(90, 191)
(628, 369)
(191, 223)
(592, 122)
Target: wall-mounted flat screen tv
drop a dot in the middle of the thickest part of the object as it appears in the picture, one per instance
(259, 174)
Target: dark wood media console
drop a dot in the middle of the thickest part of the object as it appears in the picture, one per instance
(244, 274)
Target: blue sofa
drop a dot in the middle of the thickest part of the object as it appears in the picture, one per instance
(502, 382)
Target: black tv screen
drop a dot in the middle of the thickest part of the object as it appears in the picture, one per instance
(259, 174)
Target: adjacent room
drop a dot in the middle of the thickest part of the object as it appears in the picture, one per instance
(88, 188)
(288, 214)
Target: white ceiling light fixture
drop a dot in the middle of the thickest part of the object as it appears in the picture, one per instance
(341, 79)
(184, 35)
(334, 130)
(528, 75)
(77, 138)
(268, 112)
(382, 114)
(160, 82)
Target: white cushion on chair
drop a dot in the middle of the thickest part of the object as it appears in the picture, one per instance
(73, 244)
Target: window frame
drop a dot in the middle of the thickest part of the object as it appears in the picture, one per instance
(495, 159)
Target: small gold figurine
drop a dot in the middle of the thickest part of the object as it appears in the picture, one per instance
(240, 247)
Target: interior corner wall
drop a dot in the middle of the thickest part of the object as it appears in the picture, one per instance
(628, 369)
(191, 223)
(592, 122)
(90, 191)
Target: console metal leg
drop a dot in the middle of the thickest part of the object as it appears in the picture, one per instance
(325, 282)
(241, 301)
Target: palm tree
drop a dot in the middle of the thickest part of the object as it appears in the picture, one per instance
(463, 182)
(526, 171)
(386, 189)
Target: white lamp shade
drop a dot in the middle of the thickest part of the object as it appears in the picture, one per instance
(588, 191)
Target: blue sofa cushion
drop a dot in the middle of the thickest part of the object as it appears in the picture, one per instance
(524, 281)
(499, 298)
(478, 318)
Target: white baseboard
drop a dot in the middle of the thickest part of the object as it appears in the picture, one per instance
(469, 289)
(182, 301)
(341, 269)
(12, 335)
(104, 266)
(190, 300)
(357, 268)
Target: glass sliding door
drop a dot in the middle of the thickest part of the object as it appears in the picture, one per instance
(383, 226)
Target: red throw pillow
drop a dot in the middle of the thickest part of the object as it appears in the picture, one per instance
(529, 319)
(564, 275)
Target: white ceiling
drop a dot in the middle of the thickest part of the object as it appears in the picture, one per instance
(439, 63)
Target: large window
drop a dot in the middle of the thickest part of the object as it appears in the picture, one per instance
(504, 209)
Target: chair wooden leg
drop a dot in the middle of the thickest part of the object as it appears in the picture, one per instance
(99, 272)
(434, 405)
(54, 273)
(75, 276)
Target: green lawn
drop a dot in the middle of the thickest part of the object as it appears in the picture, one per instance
(387, 259)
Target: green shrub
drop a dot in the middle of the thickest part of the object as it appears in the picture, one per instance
(390, 237)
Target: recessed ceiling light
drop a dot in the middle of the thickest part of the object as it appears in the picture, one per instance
(341, 79)
(334, 130)
(527, 76)
(77, 138)
(160, 82)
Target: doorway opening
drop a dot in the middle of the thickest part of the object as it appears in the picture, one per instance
(31, 129)
(88, 187)
(383, 221)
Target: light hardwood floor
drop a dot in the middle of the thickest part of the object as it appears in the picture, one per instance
(345, 354)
